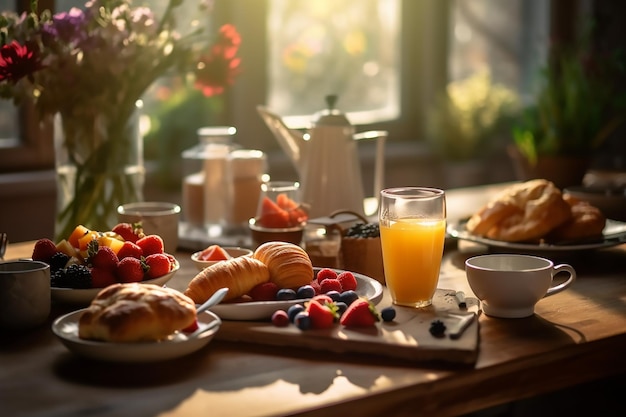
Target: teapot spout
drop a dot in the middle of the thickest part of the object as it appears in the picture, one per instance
(291, 141)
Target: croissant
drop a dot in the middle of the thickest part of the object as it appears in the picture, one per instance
(289, 265)
(239, 275)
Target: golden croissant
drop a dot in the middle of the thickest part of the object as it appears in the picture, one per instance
(239, 275)
(289, 265)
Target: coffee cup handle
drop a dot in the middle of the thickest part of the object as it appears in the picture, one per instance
(572, 277)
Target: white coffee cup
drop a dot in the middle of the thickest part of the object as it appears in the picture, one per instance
(24, 294)
(157, 218)
(509, 286)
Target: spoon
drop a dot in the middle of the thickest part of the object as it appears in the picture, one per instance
(213, 300)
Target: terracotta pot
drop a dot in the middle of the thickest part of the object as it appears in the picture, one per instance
(563, 171)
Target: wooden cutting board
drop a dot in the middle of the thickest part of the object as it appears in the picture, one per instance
(406, 337)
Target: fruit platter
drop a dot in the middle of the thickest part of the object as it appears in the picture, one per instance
(88, 260)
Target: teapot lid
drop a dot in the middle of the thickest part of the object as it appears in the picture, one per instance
(331, 116)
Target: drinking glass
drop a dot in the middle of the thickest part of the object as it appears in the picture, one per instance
(412, 233)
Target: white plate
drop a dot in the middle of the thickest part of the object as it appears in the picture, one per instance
(180, 344)
(614, 233)
(260, 310)
(85, 296)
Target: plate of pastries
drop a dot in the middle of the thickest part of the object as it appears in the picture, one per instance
(283, 265)
(537, 216)
(132, 322)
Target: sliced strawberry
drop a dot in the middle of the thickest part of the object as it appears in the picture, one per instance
(360, 313)
(322, 316)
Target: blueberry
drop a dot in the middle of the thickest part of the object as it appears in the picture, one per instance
(302, 320)
(285, 294)
(388, 313)
(335, 295)
(341, 307)
(293, 310)
(348, 297)
(305, 291)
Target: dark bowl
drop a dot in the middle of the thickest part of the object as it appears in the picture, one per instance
(262, 235)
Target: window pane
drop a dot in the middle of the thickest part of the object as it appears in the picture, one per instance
(344, 47)
(508, 38)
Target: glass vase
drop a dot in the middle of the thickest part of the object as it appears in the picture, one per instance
(99, 166)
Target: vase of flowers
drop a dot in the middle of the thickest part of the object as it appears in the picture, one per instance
(87, 70)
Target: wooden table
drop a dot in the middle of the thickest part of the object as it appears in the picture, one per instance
(576, 336)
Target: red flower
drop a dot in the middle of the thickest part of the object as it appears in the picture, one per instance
(18, 61)
(218, 69)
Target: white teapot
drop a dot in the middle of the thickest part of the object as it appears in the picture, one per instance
(327, 160)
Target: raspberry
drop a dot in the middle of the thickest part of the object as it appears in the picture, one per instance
(101, 278)
(129, 270)
(326, 273)
(104, 258)
(151, 244)
(44, 250)
(264, 292)
(316, 287)
(158, 265)
(347, 280)
(129, 249)
(280, 318)
(330, 284)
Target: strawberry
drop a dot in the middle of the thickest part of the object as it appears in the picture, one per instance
(104, 258)
(326, 273)
(130, 270)
(192, 327)
(322, 315)
(360, 313)
(44, 250)
(101, 277)
(265, 291)
(158, 265)
(330, 284)
(151, 244)
(347, 281)
(130, 232)
(129, 249)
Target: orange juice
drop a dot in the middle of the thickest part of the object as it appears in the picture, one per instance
(412, 252)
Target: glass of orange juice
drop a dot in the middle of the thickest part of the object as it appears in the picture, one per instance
(412, 233)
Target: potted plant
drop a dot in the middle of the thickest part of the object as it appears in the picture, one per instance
(575, 109)
(466, 122)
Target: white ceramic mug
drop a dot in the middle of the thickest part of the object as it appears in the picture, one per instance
(157, 218)
(24, 294)
(509, 286)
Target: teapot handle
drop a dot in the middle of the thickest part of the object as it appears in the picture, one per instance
(379, 163)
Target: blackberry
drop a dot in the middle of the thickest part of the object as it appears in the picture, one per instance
(364, 230)
(58, 261)
(74, 276)
(437, 328)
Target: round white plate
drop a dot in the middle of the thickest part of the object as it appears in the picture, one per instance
(85, 296)
(614, 233)
(180, 344)
(260, 310)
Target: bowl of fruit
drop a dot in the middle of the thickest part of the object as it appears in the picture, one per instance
(88, 261)
(216, 253)
(279, 218)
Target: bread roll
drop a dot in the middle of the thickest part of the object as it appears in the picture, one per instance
(289, 265)
(587, 222)
(523, 212)
(239, 275)
(136, 312)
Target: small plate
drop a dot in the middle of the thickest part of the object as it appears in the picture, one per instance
(260, 310)
(180, 344)
(85, 296)
(614, 233)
